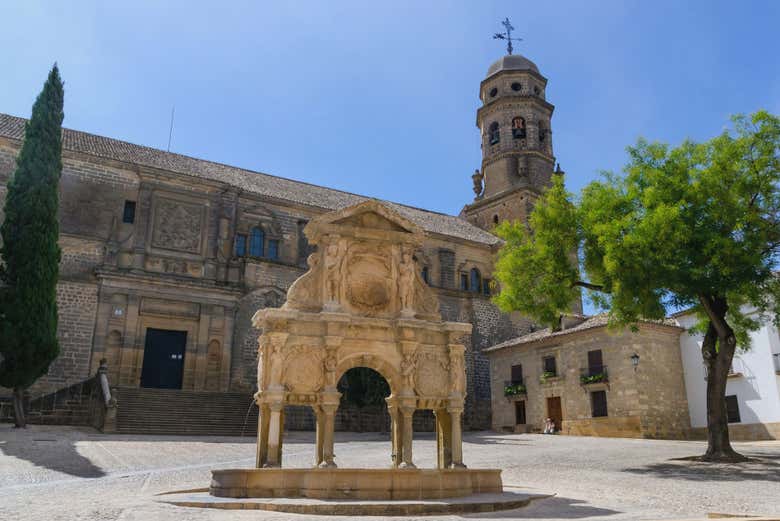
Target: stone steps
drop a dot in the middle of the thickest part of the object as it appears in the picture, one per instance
(169, 411)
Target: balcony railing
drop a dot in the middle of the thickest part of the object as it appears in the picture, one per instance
(514, 387)
(595, 374)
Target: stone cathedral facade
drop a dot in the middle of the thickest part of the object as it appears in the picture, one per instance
(166, 258)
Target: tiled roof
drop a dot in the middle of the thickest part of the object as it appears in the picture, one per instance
(254, 182)
(594, 321)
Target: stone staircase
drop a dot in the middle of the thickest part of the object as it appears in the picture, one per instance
(72, 405)
(186, 413)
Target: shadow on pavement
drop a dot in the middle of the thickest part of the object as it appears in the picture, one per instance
(761, 467)
(44, 450)
(552, 508)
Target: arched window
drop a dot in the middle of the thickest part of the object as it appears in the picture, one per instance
(257, 242)
(493, 134)
(475, 280)
(495, 219)
(542, 133)
(518, 128)
(425, 275)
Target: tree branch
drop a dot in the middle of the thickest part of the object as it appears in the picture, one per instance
(588, 285)
(717, 316)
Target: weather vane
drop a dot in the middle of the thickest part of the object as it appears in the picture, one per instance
(507, 36)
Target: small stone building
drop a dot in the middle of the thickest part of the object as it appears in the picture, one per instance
(592, 381)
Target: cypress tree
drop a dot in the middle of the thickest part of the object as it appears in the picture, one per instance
(30, 254)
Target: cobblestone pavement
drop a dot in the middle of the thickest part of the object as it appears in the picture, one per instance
(61, 473)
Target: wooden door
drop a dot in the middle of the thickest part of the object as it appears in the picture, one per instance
(554, 411)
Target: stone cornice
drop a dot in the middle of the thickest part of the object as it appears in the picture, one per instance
(517, 152)
(487, 201)
(510, 72)
(508, 99)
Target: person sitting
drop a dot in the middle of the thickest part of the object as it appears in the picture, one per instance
(549, 426)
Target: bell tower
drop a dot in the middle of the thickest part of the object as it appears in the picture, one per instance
(517, 153)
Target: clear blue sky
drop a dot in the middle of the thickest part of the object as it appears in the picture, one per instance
(380, 98)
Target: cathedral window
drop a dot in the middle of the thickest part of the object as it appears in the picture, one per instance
(240, 245)
(493, 133)
(516, 87)
(518, 128)
(493, 92)
(273, 248)
(474, 280)
(257, 243)
(128, 215)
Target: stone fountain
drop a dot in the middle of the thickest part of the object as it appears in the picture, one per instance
(362, 303)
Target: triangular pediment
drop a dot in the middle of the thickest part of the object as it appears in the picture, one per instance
(372, 215)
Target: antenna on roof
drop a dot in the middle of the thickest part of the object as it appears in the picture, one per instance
(170, 132)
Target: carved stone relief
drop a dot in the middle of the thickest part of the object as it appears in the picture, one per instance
(177, 226)
(431, 378)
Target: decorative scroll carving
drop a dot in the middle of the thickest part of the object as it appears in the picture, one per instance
(177, 226)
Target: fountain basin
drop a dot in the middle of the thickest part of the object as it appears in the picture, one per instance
(345, 483)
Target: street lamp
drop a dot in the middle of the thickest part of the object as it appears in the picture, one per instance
(635, 360)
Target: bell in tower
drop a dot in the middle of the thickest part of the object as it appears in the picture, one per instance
(517, 154)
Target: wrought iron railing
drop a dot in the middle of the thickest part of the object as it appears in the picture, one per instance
(594, 374)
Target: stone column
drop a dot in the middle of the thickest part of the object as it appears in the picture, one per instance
(395, 433)
(443, 438)
(406, 436)
(275, 431)
(263, 415)
(457, 437)
(319, 419)
(143, 219)
(329, 424)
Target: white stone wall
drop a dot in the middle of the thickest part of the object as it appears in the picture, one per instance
(757, 389)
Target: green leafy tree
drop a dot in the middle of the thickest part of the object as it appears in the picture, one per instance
(30, 254)
(695, 226)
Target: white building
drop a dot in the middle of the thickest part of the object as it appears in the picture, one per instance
(753, 388)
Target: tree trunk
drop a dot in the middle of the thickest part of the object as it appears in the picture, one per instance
(19, 420)
(718, 351)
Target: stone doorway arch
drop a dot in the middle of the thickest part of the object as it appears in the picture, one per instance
(362, 303)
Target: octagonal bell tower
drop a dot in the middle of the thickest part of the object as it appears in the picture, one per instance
(517, 153)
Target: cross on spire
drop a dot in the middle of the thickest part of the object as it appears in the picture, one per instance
(507, 35)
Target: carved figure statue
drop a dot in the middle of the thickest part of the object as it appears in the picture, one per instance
(407, 370)
(330, 364)
(333, 261)
(457, 373)
(276, 360)
(477, 179)
(406, 281)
